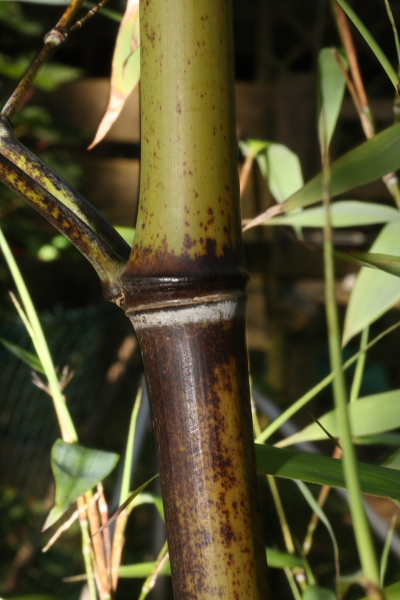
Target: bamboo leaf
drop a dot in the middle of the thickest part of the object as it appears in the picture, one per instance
(28, 358)
(382, 262)
(281, 167)
(323, 470)
(368, 416)
(321, 514)
(76, 471)
(344, 213)
(375, 292)
(331, 85)
(125, 68)
(367, 162)
(369, 38)
(315, 592)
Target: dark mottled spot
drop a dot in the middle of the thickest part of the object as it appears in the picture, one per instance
(227, 534)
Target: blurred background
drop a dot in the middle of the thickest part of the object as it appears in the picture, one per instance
(276, 50)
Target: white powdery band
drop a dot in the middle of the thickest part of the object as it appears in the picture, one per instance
(207, 312)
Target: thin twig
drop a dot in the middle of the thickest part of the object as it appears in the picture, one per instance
(91, 13)
(64, 527)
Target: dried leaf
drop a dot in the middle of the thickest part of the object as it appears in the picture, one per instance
(125, 68)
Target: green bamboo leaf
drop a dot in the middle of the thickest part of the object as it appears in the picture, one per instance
(142, 570)
(370, 161)
(331, 87)
(382, 262)
(368, 416)
(128, 233)
(323, 470)
(344, 213)
(315, 592)
(394, 461)
(392, 592)
(28, 358)
(369, 38)
(383, 439)
(367, 162)
(375, 292)
(76, 471)
(321, 514)
(281, 167)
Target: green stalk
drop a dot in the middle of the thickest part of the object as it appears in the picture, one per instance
(358, 375)
(349, 461)
(126, 476)
(42, 350)
(394, 27)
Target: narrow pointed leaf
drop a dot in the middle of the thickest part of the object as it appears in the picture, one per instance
(344, 213)
(142, 570)
(368, 416)
(383, 262)
(323, 470)
(375, 291)
(331, 87)
(76, 471)
(28, 358)
(125, 68)
(281, 167)
(370, 161)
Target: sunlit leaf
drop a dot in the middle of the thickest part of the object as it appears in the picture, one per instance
(331, 88)
(128, 233)
(344, 213)
(281, 167)
(76, 471)
(323, 470)
(374, 292)
(368, 416)
(142, 570)
(28, 358)
(125, 68)
(370, 161)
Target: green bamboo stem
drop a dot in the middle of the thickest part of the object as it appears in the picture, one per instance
(361, 526)
(358, 374)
